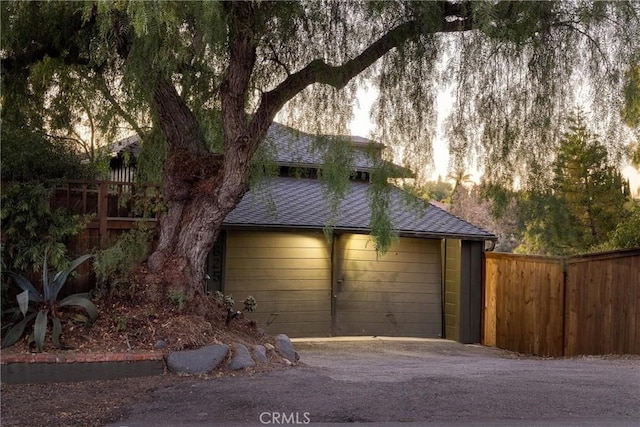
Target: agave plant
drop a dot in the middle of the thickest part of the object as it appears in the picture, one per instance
(39, 308)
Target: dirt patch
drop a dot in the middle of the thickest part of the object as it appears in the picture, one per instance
(125, 326)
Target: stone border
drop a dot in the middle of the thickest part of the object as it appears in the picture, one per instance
(73, 367)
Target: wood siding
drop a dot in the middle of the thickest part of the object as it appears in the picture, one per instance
(563, 307)
(396, 294)
(289, 275)
(452, 257)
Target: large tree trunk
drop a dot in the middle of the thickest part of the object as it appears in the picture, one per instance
(199, 189)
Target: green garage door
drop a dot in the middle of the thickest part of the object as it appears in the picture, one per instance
(289, 275)
(397, 294)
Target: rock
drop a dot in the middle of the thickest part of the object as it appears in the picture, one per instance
(240, 358)
(198, 361)
(285, 348)
(260, 353)
(269, 347)
(160, 344)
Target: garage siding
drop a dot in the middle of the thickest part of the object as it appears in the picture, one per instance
(289, 275)
(396, 294)
(452, 288)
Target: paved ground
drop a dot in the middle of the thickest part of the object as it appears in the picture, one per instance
(410, 382)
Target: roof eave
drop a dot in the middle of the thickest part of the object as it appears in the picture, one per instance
(356, 230)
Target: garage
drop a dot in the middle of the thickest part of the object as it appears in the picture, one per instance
(289, 275)
(302, 293)
(395, 294)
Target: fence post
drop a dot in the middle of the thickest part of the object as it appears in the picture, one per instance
(565, 314)
(103, 201)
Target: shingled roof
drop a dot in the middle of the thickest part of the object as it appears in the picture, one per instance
(292, 147)
(288, 203)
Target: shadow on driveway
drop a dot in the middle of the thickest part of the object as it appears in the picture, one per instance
(388, 381)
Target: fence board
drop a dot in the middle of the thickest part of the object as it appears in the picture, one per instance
(604, 297)
(523, 303)
(532, 306)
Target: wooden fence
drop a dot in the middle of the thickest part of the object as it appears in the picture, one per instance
(563, 306)
(112, 208)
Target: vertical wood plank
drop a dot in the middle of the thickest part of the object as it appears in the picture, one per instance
(103, 196)
(491, 272)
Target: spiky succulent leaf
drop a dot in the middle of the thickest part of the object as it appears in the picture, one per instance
(45, 276)
(16, 331)
(61, 278)
(23, 302)
(40, 328)
(26, 285)
(55, 333)
(83, 301)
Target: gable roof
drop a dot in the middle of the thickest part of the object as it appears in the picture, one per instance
(281, 203)
(292, 147)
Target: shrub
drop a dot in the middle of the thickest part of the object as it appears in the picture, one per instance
(30, 228)
(113, 265)
(39, 308)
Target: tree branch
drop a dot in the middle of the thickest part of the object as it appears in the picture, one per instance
(455, 17)
(176, 120)
(102, 87)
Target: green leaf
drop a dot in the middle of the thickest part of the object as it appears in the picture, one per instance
(23, 302)
(25, 285)
(81, 300)
(40, 328)
(16, 331)
(61, 278)
(55, 334)
(45, 276)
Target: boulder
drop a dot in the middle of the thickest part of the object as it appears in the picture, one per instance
(198, 361)
(240, 358)
(260, 353)
(285, 348)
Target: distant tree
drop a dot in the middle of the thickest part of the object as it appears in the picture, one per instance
(474, 205)
(27, 155)
(459, 176)
(627, 233)
(437, 190)
(585, 201)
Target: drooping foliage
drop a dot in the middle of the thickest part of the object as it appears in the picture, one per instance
(201, 82)
(631, 111)
(514, 75)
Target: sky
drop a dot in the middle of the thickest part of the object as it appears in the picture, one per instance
(361, 126)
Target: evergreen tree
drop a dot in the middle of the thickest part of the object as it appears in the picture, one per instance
(586, 199)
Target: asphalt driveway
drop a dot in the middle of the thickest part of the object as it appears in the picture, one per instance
(419, 382)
